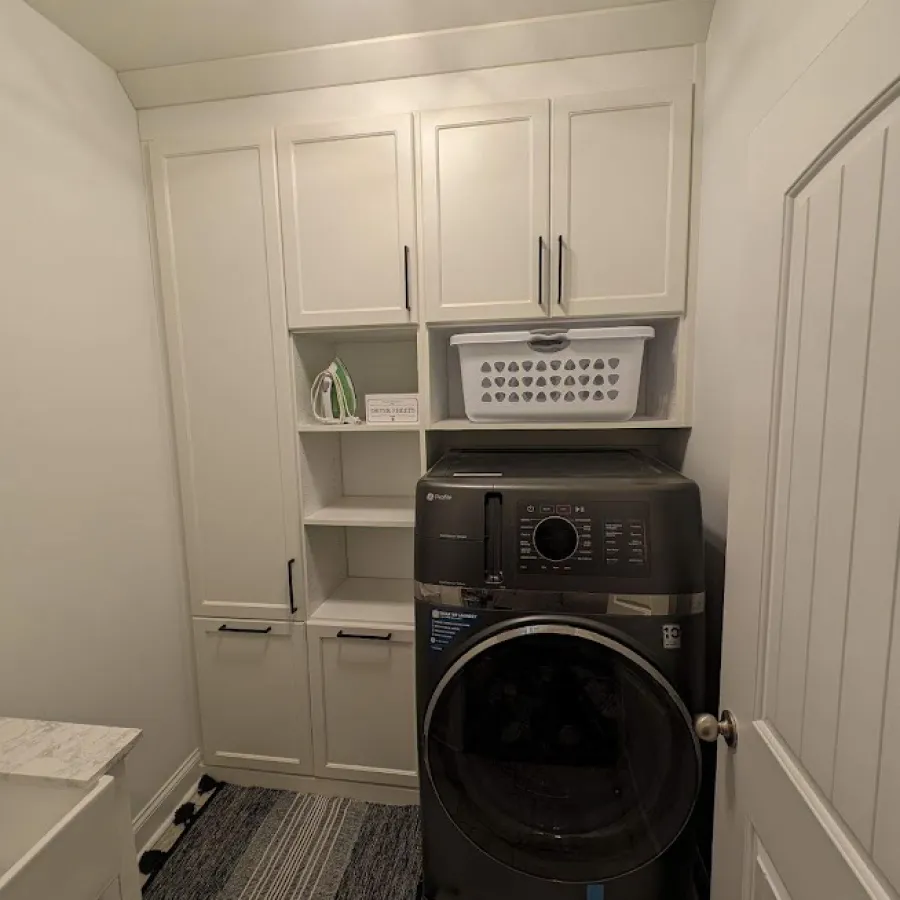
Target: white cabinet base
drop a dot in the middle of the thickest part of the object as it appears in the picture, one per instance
(362, 688)
(254, 695)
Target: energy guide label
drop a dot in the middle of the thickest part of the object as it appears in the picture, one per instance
(446, 626)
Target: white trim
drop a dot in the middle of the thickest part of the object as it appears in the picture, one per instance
(156, 816)
(326, 787)
(647, 26)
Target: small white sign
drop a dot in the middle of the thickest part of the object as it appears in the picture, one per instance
(387, 409)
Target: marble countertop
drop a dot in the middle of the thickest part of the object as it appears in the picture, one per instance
(61, 752)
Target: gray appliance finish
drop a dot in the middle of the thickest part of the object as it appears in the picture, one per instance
(560, 665)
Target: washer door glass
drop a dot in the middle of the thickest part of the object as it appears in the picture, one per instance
(562, 753)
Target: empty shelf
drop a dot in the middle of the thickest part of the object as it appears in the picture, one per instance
(370, 601)
(367, 512)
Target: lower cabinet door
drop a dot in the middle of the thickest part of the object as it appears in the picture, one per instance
(362, 685)
(254, 694)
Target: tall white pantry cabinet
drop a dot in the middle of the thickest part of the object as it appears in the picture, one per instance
(376, 239)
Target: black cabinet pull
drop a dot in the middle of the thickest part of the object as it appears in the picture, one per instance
(291, 584)
(541, 270)
(245, 630)
(365, 637)
(406, 277)
(560, 276)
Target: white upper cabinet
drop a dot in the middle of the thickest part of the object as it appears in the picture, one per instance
(348, 217)
(485, 211)
(620, 189)
(220, 264)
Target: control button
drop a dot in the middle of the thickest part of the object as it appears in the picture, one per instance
(529, 508)
(563, 509)
(586, 544)
(579, 509)
(546, 509)
(555, 538)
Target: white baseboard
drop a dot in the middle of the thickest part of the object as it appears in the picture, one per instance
(328, 787)
(156, 816)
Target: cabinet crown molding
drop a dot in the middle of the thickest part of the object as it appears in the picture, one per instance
(646, 26)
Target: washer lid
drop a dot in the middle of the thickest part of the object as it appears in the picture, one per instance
(562, 753)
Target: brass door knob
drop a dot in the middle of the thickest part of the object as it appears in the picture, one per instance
(709, 728)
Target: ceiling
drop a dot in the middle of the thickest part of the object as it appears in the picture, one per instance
(137, 34)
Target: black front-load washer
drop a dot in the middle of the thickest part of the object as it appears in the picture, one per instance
(559, 654)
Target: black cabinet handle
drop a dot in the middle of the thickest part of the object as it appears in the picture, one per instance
(291, 584)
(245, 630)
(365, 637)
(541, 270)
(560, 285)
(406, 277)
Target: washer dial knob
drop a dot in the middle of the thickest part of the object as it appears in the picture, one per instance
(555, 538)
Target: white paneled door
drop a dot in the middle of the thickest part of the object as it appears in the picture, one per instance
(348, 217)
(485, 211)
(621, 189)
(220, 264)
(808, 803)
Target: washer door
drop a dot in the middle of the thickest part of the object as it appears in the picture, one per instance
(562, 753)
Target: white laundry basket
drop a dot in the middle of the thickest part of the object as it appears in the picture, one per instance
(579, 374)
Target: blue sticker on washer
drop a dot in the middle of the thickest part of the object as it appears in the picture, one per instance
(596, 892)
(446, 624)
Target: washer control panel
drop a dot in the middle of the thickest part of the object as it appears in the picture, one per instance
(582, 537)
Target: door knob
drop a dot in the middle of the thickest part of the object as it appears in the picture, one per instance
(708, 728)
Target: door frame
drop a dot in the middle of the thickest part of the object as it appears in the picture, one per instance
(779, 169)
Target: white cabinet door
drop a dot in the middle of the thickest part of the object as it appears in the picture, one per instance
(485, 211)
(349, 222)
(362, 684)
(621, 189)
(220, 265)
(253, 685)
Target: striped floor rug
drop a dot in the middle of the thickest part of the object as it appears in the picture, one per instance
(257, 844)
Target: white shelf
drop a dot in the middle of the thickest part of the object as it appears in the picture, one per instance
(366, 512)
(369, 601)
(363, 428)
(637, 422)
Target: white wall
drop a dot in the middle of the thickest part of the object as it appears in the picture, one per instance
(93, 622)
(756, 50)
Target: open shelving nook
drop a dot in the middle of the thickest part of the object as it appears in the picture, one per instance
(663, 389)
(362, 479)
(359, 575)
(379, 360)
(357, 481)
